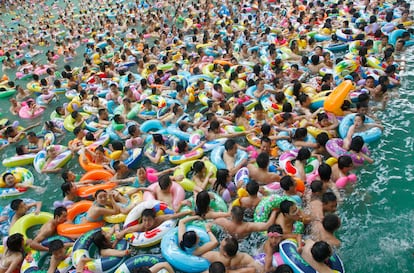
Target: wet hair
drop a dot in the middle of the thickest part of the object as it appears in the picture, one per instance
(118, 146)
(237, 212)
(357, 143)
(65, 175)
(328, 197)
(14, 205)
(238, 110)
(275, 228)
(148, 213)
(331, 222)
(221, 180)
(252, 187)
(55, 245)
(265, 129)
(164, 182)
(59, 211)
(322, 138)
(262, 160)
(316, 186)
(286, 182)
(315, 59)
(300, 133)
(6, 175)
(321, 251)
(181, 145)
(344, 161)
(20, 150)
(202, 203)
(285, 206)
(98, 192)
(14, 242)
(189, 239)
(229, 144)
(231, 247)
(346, 105)
(66, 187)
(287, 107)
(198, 166)
(325, 172)
(303, 154)
(158, 138)
(284, 268)
(217, 267)
(100, 240)
(89, 136)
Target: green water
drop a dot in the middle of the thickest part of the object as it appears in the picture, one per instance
(376, 216)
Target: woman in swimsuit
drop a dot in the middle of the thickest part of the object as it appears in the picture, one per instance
(101, 207)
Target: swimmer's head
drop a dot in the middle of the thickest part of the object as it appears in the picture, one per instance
(9, 179)
(321, 251)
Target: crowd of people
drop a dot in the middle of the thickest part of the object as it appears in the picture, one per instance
(226, 70)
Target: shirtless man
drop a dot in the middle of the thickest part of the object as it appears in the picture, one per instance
(325, 230)
(163, 191)
(229, 156)
(232, 259)
(239, 229)
(319, 207)
(21, 208)
(149, 221)
(261, 173)
(49, 229)
(315, 254)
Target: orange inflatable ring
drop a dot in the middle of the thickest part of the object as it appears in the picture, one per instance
(85, 161)
(74, 231)
(87, 191)
(97, 175)
(222, 62)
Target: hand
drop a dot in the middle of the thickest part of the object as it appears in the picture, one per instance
(208, 226)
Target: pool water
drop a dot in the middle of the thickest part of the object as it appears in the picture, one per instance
(377, 213)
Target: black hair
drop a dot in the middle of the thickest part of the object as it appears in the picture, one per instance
(303, 154)
(14, 205)
(252, 187)
(55, 245)
(202, 203)
(286, 182)
(284, 268)
(229, 144)
(285, 206)
(265, 129)
(217, 267)
(59, 211)
(65, 187)
(189, 239)
(164, 182)
(316, 186)
(322, 138)
(100, 240)
(321, 251)
(262, 160)
(344, 161)
(221, 179)
(231, 247)
(198, 166)
(328, 197)
(325, 172)
(14, 242)
(148, 213)
(331, 222)
(357, 143)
